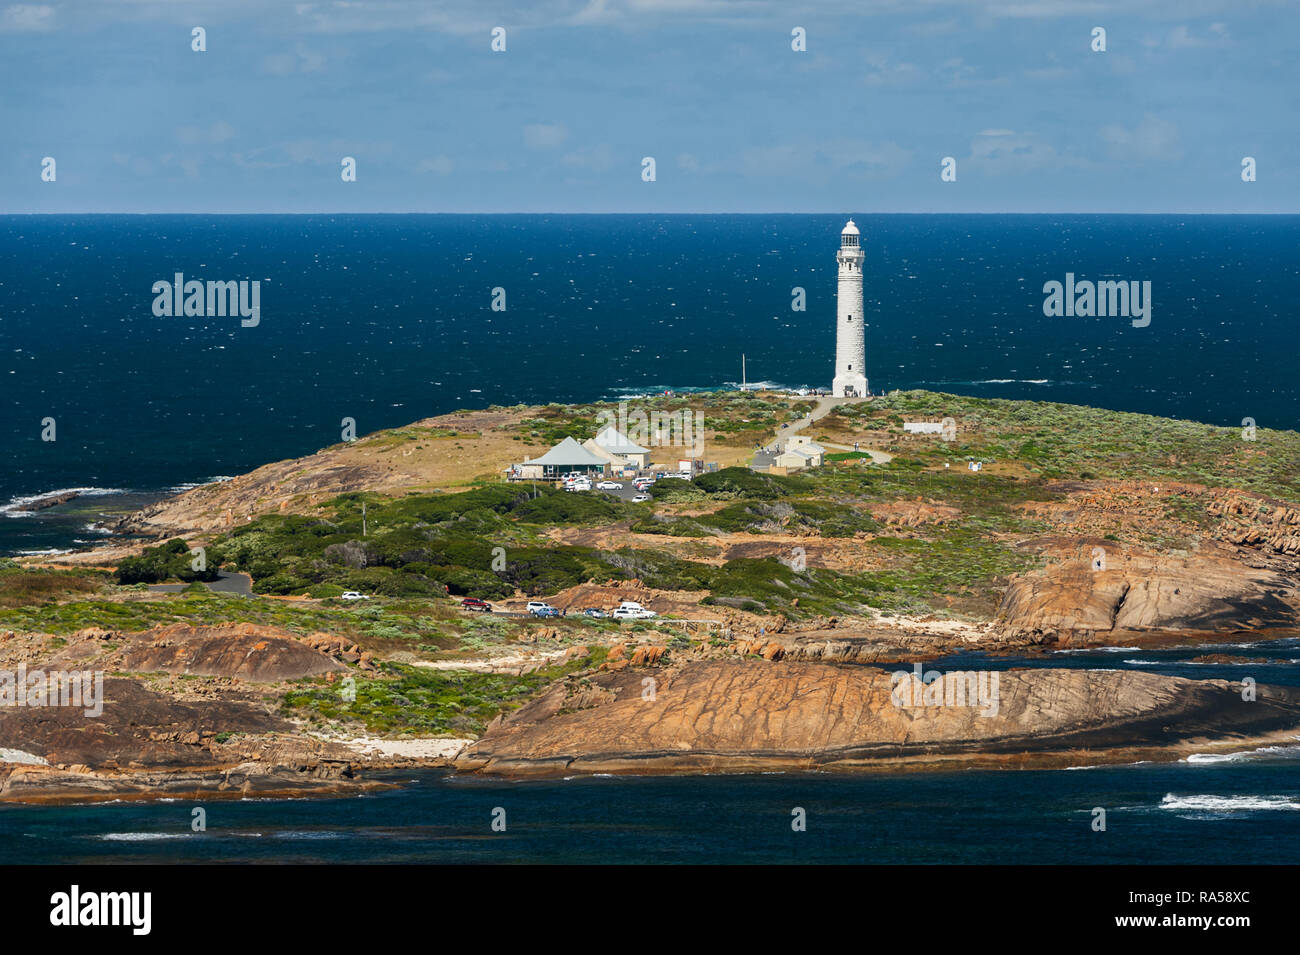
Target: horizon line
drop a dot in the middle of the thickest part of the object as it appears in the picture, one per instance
(335, 212)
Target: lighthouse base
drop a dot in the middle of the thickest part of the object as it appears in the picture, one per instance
(849, 386)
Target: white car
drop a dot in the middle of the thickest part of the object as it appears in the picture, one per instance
(640, 498)
(352, 595)
(623, 613)
(631, 610)
(610, 486)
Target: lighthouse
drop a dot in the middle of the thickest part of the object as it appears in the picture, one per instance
(850, 341)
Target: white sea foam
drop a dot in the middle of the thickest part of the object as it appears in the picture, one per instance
(1206, 802)
(1099, 650)
(306, 835)
(11, 509)
(182, 488)
(143, 836)
(1263, 752)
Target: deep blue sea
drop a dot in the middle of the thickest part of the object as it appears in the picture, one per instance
(388, 319)
(1159, 814)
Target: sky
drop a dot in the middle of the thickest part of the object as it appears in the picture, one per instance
(735, 119)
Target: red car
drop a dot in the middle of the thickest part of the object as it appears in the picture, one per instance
(473, 603)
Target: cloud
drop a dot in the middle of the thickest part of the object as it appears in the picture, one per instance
(441, 165)
(1151, 139)
(884, 73)
(1006, 151)
(218, 132)
(1182, 38)
(599, 159)
(26, 18)
(545, 135)
(819, 161)
(301, 60)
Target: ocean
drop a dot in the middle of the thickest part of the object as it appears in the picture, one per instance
(1226, 808)
(389, 318)
(1230, 813)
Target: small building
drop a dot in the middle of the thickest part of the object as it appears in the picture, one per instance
(616, 448)
(801, 452)
(565, 457)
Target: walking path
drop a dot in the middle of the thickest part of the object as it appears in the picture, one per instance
(823, 405)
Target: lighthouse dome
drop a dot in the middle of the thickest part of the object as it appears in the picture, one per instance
(850, 229)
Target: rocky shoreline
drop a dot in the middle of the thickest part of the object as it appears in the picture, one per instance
(729, 717)
(791, 682)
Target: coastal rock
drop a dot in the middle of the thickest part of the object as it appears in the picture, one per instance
(244, 651)
(1139, 592)
(734, 716)
(50, 500)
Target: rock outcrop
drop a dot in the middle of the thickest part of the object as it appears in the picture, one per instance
(741, 717)
(1073, 601)
(241, 651)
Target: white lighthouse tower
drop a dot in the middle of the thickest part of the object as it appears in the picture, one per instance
(850, 340)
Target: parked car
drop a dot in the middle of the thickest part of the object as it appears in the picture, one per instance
(623, 614)
(352, 595)
(640, 498)
(610, 486)
(540, 608)
(594, 612)
(474, 603)
(631, 610)
(644, 482)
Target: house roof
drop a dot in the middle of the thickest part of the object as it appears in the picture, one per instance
(615, 442)
(568, 453)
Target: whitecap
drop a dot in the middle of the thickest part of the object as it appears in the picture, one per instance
(1210, 803)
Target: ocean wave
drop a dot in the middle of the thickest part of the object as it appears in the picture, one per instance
(189, 486)
(1263, 752)
(1099, 650)
(1001, 381)
(1227, 805)
(11, 509)
(144, 836)
(306, 835)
